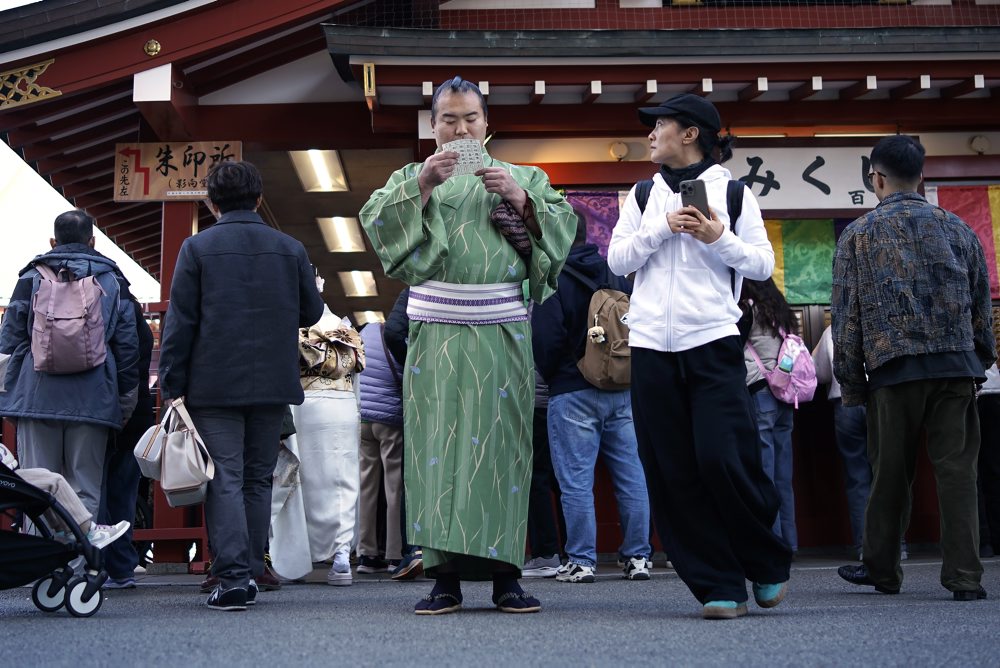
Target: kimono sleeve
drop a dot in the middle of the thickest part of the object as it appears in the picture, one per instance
(410, 240)
(557, 221)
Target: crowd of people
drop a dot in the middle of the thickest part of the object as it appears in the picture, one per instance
(436, 443)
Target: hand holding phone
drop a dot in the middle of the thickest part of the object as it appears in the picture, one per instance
(682, 221)
(693, 193)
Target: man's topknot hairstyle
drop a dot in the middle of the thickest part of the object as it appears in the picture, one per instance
(457, 85)
(234, 186)
(73, 227)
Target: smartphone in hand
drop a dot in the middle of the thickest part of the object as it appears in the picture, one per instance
(693, 194)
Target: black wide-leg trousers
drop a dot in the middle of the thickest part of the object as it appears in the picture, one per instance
(714, 505)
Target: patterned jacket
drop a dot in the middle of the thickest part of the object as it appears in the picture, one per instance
(909, 278)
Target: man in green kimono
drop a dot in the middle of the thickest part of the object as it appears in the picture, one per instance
(473, 247)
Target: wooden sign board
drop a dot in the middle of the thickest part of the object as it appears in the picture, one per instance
(168, 171)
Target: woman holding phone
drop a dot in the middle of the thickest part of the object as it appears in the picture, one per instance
(713, 504)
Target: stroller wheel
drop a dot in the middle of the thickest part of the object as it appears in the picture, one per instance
(40, 595)
(74, 599)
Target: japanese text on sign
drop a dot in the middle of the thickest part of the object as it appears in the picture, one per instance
(168, 171)
(807, 177)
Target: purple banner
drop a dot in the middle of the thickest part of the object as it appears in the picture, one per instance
(601, 210)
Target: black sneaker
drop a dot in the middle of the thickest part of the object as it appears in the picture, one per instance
(977, 594)
(372, 565)
(252, 590)
(230, 599)
(410, 567)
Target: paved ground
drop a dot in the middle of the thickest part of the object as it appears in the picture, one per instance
(823, 622)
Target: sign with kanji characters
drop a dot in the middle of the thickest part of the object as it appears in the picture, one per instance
(806, 177)
(168, 171)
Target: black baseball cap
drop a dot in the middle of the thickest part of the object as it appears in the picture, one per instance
(693, 108)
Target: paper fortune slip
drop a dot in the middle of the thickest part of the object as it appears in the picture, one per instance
(470, 155)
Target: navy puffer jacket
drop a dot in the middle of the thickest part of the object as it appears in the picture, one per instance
(381, 394)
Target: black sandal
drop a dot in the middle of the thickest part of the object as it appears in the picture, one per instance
(438, 604)
(511, 601)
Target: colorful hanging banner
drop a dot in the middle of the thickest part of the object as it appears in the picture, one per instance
(601, 209)
(803, 259)
(979, 207)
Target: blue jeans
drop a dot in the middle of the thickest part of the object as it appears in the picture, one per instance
(851, 429)
(582, 425)
(774, 424)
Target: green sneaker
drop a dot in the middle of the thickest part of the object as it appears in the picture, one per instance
(723, 610)
(768, 596)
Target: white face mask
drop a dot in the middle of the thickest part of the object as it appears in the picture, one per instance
(320, 282)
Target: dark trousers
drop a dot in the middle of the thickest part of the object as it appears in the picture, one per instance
(243, 443)
(121, 487)
(543, 532)
(713, 503)
(989, 470)
(946, 410)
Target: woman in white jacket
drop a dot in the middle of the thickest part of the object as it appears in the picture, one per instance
(713, 504)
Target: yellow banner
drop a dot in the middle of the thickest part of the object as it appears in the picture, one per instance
(168, 171)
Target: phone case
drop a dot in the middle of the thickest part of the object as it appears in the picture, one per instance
(693, 193)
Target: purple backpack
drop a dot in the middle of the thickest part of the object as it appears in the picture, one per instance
(793, 378)
(67, 335)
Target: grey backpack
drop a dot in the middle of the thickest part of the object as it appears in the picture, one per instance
(67, 335)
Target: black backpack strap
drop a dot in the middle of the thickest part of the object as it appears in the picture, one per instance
(642, 190)
(734, 202)
(580, 277)
(734, 205)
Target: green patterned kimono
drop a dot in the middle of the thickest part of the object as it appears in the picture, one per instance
(468, 391)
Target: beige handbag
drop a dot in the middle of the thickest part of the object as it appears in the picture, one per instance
(149, 448)
(185, 465)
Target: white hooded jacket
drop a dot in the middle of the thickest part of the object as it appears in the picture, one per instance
(683, 296)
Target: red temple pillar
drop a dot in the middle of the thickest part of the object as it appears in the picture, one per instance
(174, 529)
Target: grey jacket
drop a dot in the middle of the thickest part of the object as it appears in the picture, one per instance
(104, 395)
(767, 344)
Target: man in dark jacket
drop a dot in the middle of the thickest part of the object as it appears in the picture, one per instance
(240, 292)
(912, 332)
(585, 421)
(64, 420)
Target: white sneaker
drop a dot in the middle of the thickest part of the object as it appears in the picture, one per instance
(649, 563)
(571, 572)
(102, 535)
(541, 567)
(339, 574)
(636, 568)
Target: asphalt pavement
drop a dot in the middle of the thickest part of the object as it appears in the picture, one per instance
(824, 621)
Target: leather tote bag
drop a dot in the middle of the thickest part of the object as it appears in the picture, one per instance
(185, 465)
(149, 448)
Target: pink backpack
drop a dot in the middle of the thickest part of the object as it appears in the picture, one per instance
(67, 335)
(793, 378)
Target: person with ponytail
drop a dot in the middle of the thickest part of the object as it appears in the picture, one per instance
(772, 316)
(713, 505)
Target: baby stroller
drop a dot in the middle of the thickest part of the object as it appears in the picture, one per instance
(24, 557)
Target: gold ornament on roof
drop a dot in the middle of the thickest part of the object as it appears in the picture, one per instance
(18, 87)
(152, 48)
